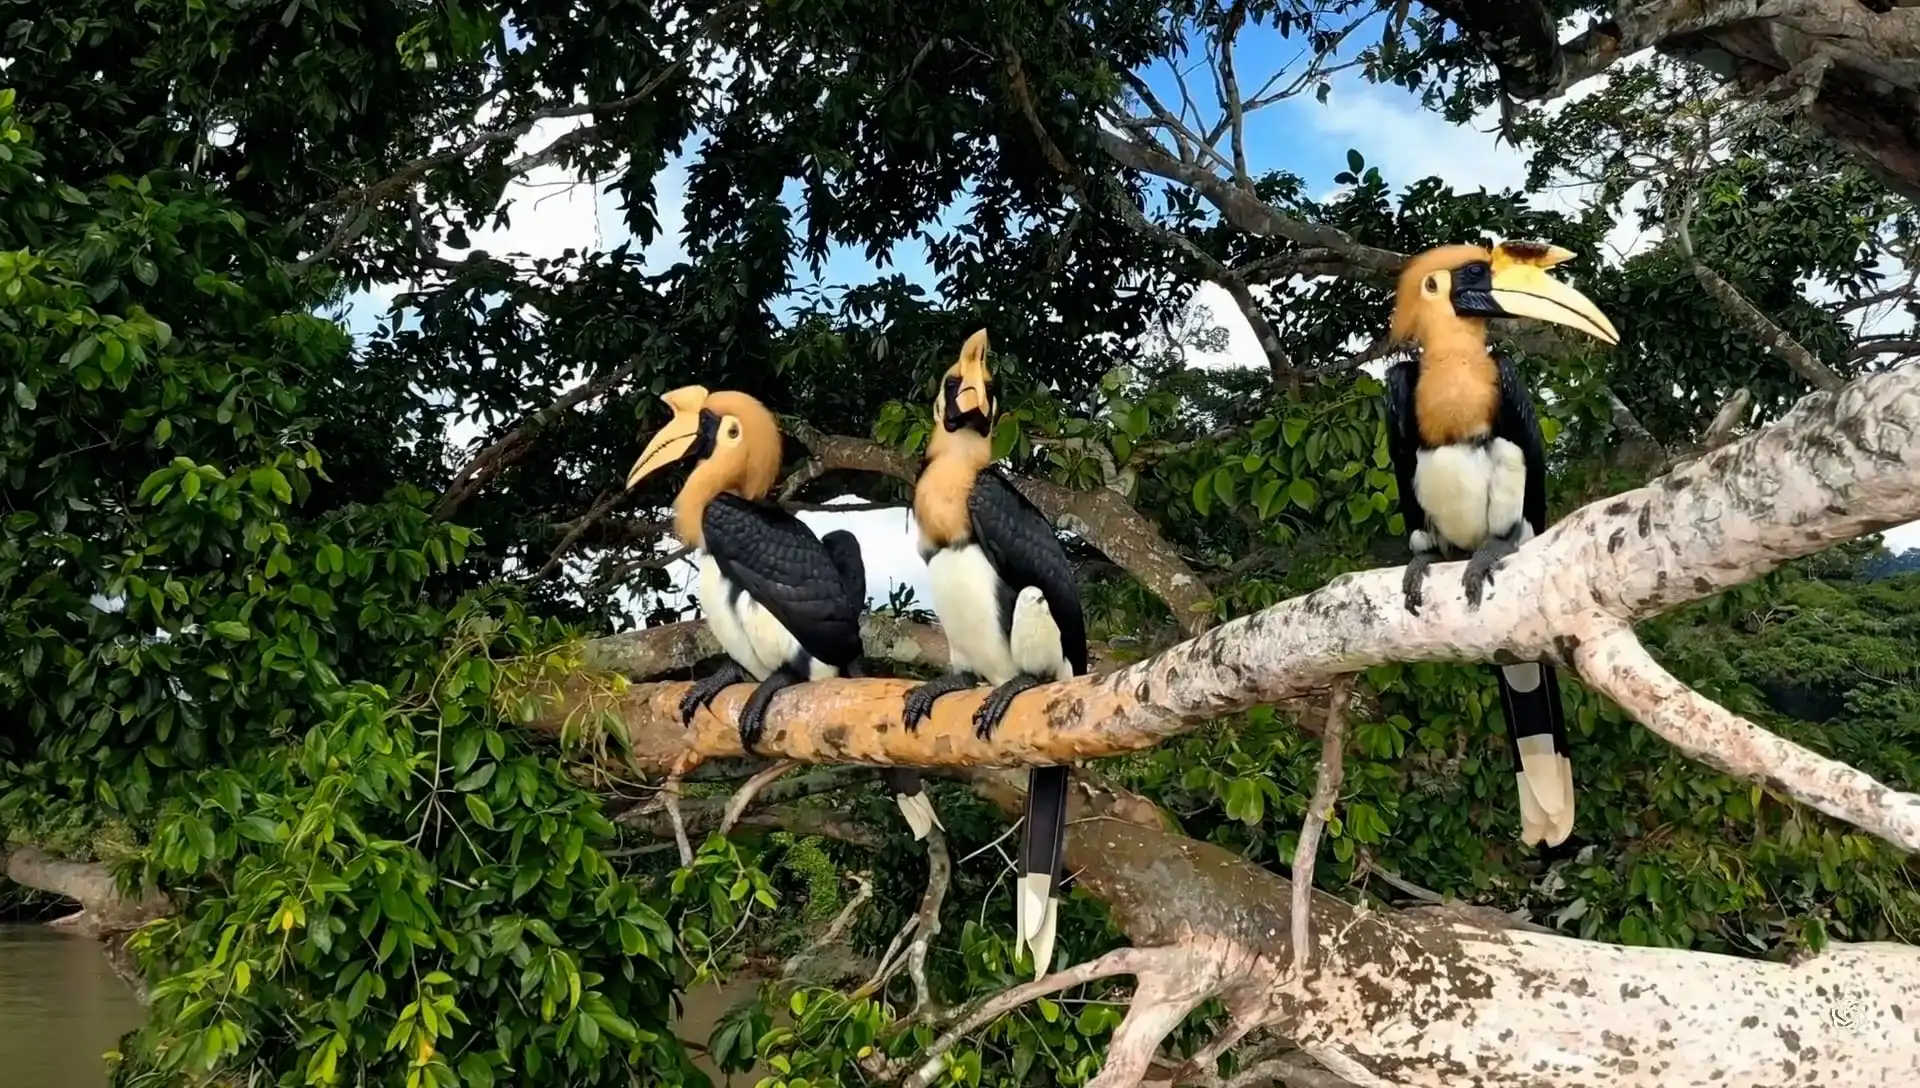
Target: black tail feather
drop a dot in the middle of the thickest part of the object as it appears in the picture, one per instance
(1542, 756)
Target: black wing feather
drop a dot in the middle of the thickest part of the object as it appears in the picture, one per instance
(1020, 544)
(774, 558)
(1517, 423)
(844, 549)
(1403, 439)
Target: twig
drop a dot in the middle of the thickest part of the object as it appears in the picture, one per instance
(1748, 316)
(513, 445)
(1326, 791)
(743, 797)
(578, 528)
(1230, 93)
(1120, 961)
(670, 800)
(361, 201)
(837, 928)
(939, 875)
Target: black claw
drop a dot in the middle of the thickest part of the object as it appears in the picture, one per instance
(753, 716)
(705, 690)
(919, 701)
(1413, 584)
(1480, 568)
(987, 718)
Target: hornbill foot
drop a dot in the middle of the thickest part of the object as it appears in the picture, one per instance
(919, 701)
(1414, 583)
(988, 716)
(703, 691)
(1480, 568)
(753, 716)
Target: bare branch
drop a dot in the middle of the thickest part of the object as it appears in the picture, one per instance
(513, 445)
(1121, 961)
(742, 798)
(1749, 317)
(1326, 791)
(360, 202)
(670, 800)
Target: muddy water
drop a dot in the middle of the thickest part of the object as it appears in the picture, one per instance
(61, 1007)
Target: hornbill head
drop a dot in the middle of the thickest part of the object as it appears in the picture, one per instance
(731, 436)
(965, 402)
(1454, 285)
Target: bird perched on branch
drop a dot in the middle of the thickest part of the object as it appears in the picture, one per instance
(784, 604)
(1006, 597)
(1472, 468)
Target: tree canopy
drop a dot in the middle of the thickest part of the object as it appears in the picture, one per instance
(282, 606)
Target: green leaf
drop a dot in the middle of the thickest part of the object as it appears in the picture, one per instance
(476, 1072)
(232, 630)
(1303, 493)
(1203, 493)
(480, 777)
(1355, 163)
(1225, 484)
(480, 811)
(23, 396)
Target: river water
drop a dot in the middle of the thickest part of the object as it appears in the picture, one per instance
(61, 1008)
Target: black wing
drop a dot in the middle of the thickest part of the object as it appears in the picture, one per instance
(1403, 439)
(774, 558)
(1517, 423)
(844, 549)
(1020, 544)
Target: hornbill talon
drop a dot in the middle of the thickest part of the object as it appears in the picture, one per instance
(753, 716)
(1414, 582)
(987, 718)
(919, 702)
(705, 690)
(1480, 568)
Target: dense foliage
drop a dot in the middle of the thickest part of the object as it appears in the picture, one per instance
(267, 645)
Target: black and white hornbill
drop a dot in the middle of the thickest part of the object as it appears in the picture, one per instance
(1472, 468)
(783, 603)
(1006, 597)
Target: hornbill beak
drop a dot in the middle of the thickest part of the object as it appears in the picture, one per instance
(972, 396)
(1522, 288)
(673, 441)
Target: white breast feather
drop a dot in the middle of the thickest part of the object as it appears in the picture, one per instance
(1471, 492)
(966, 597)
(1036, 637)
(747, 631)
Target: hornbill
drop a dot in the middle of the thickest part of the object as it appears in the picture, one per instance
(1472, 468)
(784, 604)
(1006, 597)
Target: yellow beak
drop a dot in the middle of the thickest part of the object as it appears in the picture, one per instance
(972, 396)
(1525, 290)
(672, 441)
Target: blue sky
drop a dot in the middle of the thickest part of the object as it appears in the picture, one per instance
(554, 211)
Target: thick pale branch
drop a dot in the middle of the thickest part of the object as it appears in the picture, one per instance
(1836, 467)
(107, 909)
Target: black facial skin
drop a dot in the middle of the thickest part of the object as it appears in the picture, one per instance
(979, 421)
(1473, 291)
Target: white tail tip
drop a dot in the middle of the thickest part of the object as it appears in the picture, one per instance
(1545, 785)
(921, 817)
(1038, 924)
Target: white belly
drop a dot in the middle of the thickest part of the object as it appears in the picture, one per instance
(1469, 492)
(966, 597)
(747, 631)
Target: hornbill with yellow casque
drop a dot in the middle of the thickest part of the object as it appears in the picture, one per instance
(1472, 468)
(783, 603)
(1007, 600)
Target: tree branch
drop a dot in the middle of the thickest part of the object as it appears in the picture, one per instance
(1326, 791)
(1835, 467)
(513, 445)
(106, 910)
